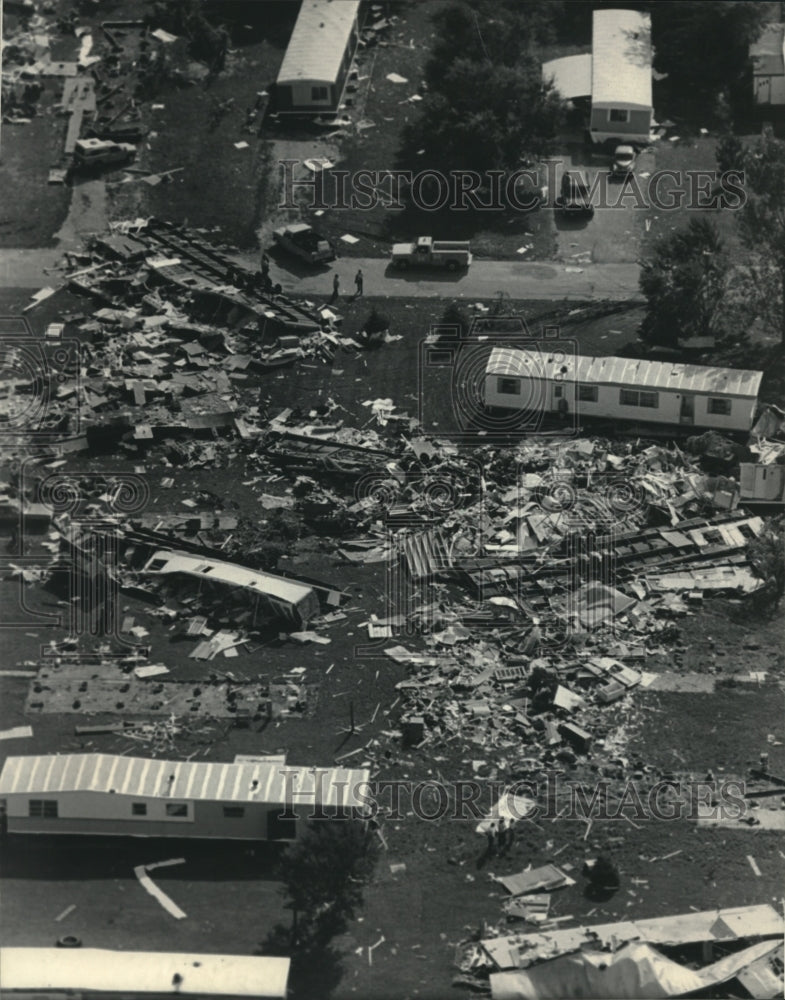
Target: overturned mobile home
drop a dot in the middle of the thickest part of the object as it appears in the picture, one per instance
(288, 599)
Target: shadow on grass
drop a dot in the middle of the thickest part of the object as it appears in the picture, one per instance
(73, 857)
(316, 969)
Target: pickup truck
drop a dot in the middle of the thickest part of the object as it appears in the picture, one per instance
(427, 252)
(305, 243)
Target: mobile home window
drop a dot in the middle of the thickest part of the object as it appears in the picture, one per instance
(318, 93)
(719, 407)
(618, 115)
(588, 393)
(176, 809)
(631, 397)
(509, 386)
(138, 808)
(234, 812)
(558, 391)
(43, 808)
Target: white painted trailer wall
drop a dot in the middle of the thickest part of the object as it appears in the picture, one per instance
(538, 395)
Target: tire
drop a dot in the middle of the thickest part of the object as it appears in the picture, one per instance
(402, 265)
(69, 941)
(452, 266)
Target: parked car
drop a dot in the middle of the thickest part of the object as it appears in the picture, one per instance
(623, 161)
(574, 198)
(304, 242)
(427, 252)
(100, 153)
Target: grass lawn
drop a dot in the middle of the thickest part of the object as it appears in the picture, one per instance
(683, 156)
(217, 186)
(32, 211)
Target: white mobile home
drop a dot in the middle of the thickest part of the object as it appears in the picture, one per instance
(65, 972)
(288, 599)
(622, 389)
(319, 56)
(768, 66)
(103, 794)
(621, 90)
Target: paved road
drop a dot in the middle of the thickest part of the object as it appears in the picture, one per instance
(483, 280)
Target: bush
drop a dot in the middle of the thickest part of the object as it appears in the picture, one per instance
(376, 323)
(454, 316)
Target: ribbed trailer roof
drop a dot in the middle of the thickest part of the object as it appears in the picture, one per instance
(632, 372)
(189, 780)
(98, 970)
(621, 59)
(318, 41)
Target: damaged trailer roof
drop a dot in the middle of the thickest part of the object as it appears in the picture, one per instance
(673, 376)
(636, 972)
(520, 950)
(276, 587)
(192, 780)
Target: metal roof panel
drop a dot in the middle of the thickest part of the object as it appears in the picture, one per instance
(633, 372)
(318, 41)
(209, 781)
(621, 59)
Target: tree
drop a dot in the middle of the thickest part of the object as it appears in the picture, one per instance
(731, 154)
(324, 874)
(489, 31)
(487, 116)
(766, 555)
(455, 317)
(762, 224)
(704, 47)
(485, 106)
(376, 323)
(684, 283)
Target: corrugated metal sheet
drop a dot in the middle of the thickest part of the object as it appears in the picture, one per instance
(101, 971)
(318, 41)
(186, 780)
(621, 59)
(632, 372)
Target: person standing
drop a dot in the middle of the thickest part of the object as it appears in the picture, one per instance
(336, 288)
(502, 836)
(358, 283)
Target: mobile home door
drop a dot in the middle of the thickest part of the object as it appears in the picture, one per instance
(687, 412)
